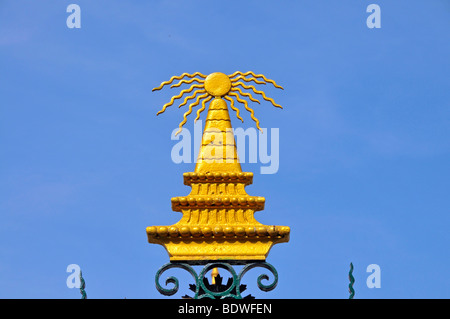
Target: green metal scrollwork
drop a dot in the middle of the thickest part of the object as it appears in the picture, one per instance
(82, 286)
(232, 289)
(221, 294)
(173, 280)
(352, 281)
(263, 276)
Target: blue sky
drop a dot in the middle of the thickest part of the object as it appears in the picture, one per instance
(364, 140)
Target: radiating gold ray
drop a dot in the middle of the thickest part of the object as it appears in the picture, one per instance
(234, 108)
(179, 77)
(251, 87)
(190, 111)
(252, 112)
(240, 77)
(187, 82)
(256, 76)
(190, 97)
(202, 108)
(178, 96)
(245, 94)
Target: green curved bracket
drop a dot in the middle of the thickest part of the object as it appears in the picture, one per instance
(172, 280)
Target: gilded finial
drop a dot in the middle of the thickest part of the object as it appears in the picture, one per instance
(214, 274)
(218, 220)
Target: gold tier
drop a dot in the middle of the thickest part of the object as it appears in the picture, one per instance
(203, 243)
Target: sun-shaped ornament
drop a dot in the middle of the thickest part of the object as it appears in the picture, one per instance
(218, 86)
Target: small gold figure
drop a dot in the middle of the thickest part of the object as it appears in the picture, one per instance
(218, 215)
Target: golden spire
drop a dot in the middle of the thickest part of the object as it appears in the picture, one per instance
(218, 215)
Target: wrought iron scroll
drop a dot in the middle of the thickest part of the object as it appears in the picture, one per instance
(172, 280)
(231, 290)
(352, 281)
(82, 287)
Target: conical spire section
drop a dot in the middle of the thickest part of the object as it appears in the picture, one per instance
(218, 151)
